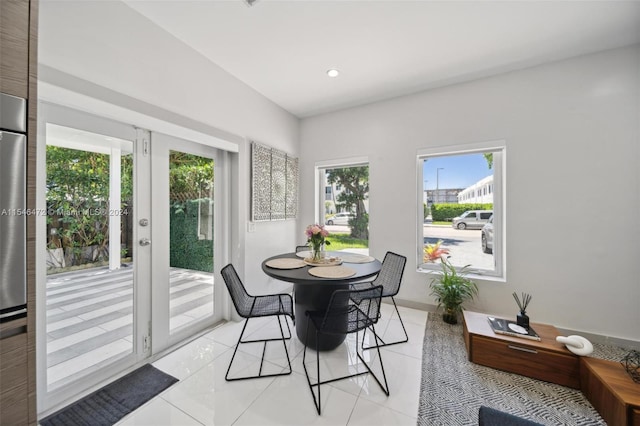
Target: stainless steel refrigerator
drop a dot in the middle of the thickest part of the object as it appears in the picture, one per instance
(13, 208)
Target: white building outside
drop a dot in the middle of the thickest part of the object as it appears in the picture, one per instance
(479, 192)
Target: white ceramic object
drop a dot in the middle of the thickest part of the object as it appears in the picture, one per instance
(576, 344)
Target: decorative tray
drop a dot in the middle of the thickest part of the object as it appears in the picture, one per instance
(327, 261)
(328, 253)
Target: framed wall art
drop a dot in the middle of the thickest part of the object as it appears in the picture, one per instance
(274, 184)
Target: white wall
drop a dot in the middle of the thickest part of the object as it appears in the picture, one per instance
(114, 53)
(572, 132)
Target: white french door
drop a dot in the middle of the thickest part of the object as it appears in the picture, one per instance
(126, 249)
(92, 279)
(186, 201)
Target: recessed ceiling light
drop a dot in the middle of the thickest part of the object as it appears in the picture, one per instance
(333, 72)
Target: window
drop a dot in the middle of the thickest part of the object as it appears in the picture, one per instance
(346, 212)
(466, 213)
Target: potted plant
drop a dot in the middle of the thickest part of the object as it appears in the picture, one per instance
(451, 288)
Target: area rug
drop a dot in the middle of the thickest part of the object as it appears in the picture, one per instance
(108, 405)
(453, 389)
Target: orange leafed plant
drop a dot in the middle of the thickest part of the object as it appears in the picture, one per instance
(433, 252)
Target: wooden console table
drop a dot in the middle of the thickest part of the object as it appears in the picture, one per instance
(545, 360)
(611, 390)
(606, 384)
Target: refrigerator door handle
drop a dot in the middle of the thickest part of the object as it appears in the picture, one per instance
(13, 241)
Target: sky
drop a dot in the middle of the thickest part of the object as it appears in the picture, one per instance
(457, 171)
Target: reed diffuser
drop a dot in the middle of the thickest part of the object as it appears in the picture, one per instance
(522, 319)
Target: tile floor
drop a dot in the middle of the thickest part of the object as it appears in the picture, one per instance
(203, 397)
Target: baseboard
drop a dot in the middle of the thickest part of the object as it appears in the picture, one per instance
(595, 338)
(411, 304)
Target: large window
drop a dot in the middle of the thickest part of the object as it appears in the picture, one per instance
(344, 204)
(462, 208)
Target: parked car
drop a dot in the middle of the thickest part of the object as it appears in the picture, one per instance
(472, 219)
(340, 218)
(487, 236)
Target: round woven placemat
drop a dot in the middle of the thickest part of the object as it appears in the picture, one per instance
(285, 263)
(356, 258)
(332, 272)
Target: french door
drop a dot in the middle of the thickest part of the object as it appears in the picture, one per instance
(127, 244)
(184, 202)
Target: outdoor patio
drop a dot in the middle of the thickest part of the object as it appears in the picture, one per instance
(90, 316)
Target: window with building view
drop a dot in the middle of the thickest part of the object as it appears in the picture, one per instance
(463, 215)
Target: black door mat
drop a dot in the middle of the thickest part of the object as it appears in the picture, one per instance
(108, 405)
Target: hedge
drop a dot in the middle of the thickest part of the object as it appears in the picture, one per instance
(447, 211)
(185, 249)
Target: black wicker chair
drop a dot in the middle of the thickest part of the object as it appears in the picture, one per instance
(253, 307)
(349, 311)
(389, 277)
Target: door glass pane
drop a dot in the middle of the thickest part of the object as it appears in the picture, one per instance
(89, 287)
(191, 236)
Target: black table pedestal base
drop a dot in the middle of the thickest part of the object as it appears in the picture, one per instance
(313, 294)
(315, 298)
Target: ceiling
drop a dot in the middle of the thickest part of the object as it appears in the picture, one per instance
(383, 49)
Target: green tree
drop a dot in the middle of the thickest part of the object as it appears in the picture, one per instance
(190, 178)
(489, 157)
(355, 181)
(78, 196)
(188, 172)
(78, 200)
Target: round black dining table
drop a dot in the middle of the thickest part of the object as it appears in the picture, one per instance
(313, 294)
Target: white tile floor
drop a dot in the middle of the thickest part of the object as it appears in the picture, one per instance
(203, 397)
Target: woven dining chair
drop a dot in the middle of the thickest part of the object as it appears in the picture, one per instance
(248, 307)
(302, 248)
(349, 311)
(389, 277)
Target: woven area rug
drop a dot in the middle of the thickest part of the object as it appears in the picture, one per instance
(108, 405)
(453, 389)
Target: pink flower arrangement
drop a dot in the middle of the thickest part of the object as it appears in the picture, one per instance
(316, 238)
(314, 230)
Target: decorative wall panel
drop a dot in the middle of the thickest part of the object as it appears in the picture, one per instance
(274, 184)
(260, 182)
(278, 184)
(291, 207)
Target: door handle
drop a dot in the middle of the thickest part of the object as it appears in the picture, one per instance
(145, 242)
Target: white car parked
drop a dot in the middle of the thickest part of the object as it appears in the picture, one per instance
(487, 236)
(472, 219)
(340, 218)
